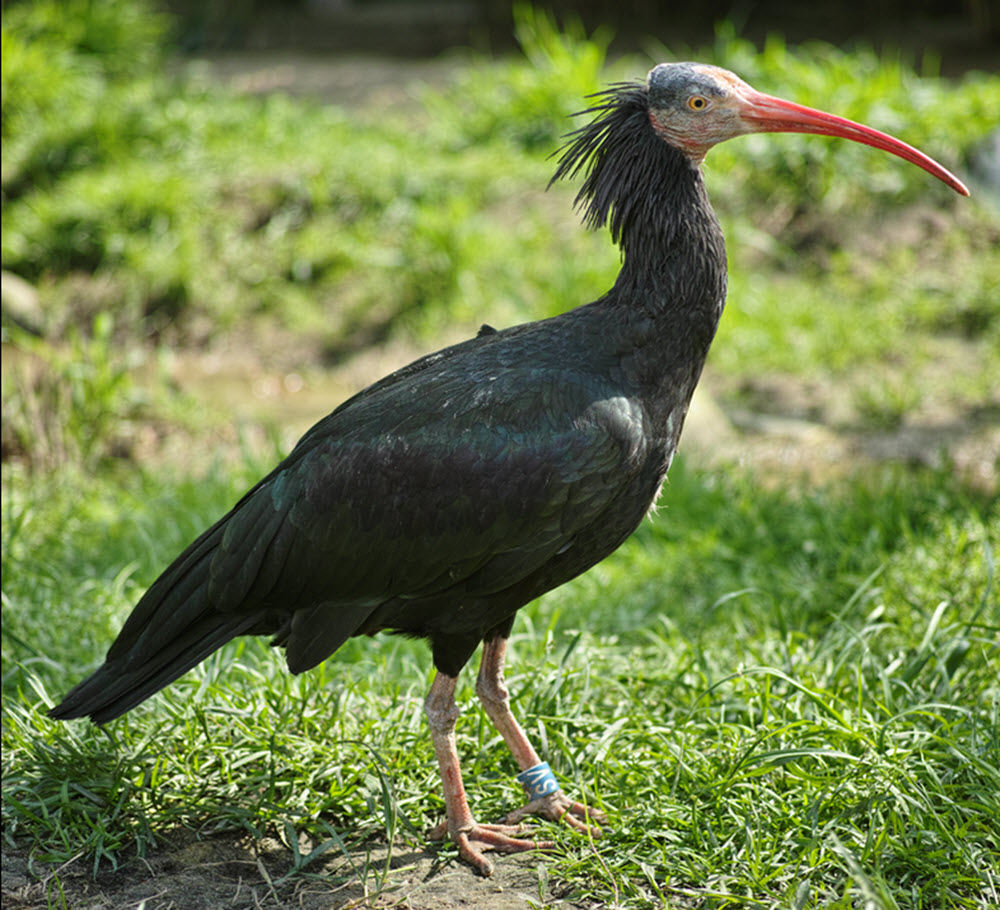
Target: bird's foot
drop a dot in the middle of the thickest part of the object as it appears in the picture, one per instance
(474, 840)
(558, 807)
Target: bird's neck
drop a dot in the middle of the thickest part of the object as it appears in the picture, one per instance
(663, 311)
(671, 291)
(673, 251)
(673, 275)
(652, 198)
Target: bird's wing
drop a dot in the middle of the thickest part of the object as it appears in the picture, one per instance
(456, 472)
(427, 486)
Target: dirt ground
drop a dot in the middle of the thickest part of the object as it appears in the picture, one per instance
(234, 872)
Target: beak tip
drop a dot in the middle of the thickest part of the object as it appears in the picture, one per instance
(957, 185)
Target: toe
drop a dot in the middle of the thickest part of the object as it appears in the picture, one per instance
(473, 855)
(474, 840)
(558, 807)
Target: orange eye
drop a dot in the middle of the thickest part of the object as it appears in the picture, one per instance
(697, 103)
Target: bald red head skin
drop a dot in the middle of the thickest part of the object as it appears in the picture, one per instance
(694, 106)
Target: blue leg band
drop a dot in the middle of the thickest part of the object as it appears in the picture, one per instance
(539, 781)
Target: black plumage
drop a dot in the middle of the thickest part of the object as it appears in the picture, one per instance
(442, 499)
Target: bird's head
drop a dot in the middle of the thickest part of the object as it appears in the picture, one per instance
(694, 106)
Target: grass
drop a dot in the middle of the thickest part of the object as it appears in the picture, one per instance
(779, 698)
(783, 694)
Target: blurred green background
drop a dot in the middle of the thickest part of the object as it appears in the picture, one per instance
(193, 205)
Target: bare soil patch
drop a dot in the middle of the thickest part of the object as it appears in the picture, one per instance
(234, 871)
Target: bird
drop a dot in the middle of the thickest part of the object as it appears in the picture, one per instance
(442, 499)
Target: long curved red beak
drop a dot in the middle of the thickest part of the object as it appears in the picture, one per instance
(767, 114)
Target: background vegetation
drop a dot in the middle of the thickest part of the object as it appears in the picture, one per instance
(784, 693)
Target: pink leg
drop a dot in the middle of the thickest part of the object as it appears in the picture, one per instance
(472, 838)
(492, 692)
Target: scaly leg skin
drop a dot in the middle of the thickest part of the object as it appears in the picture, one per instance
(492, 692)
(472, 838)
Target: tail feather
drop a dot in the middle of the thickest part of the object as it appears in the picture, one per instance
(244, 575)
(119, 685)
(160, 612)
(173, 627)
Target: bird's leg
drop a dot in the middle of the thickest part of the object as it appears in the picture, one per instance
(472, 838)
(492, 692)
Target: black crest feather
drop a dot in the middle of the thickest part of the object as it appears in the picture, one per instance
(624, 160)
